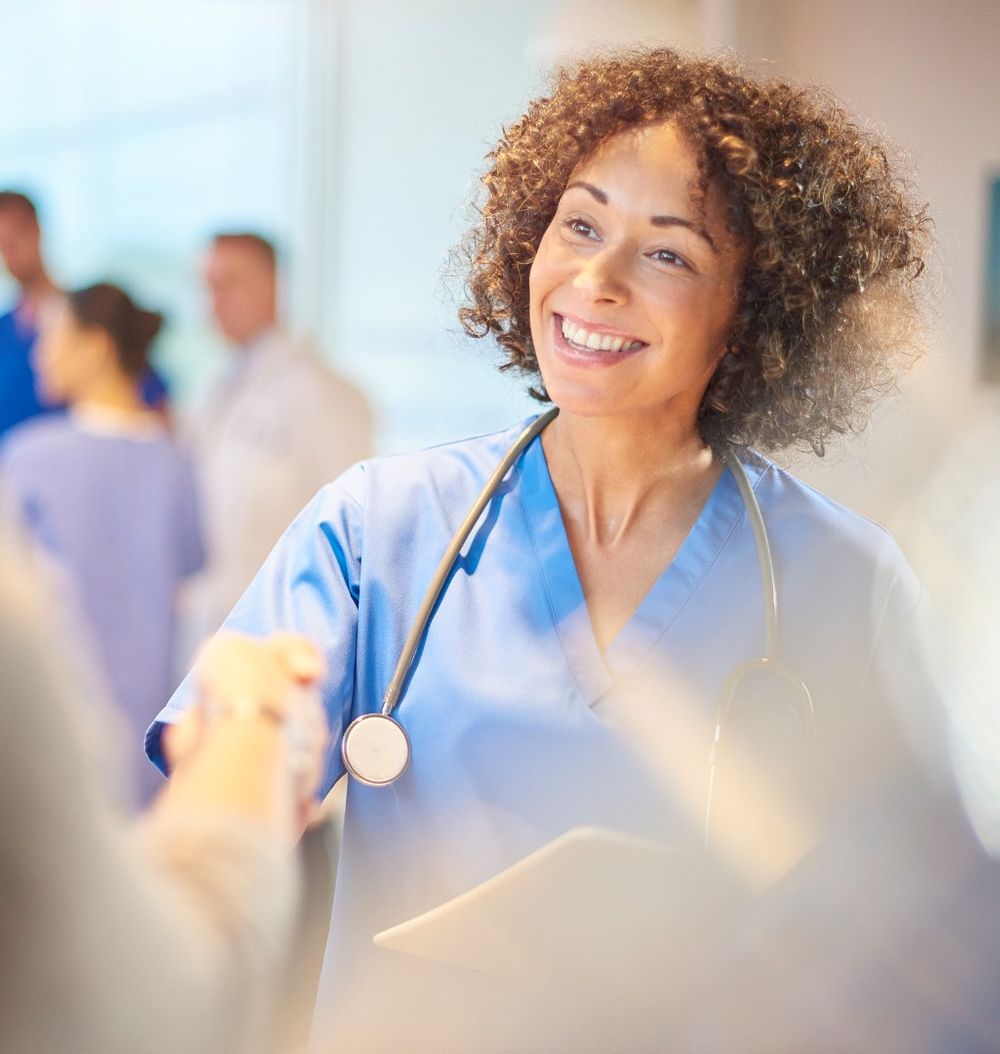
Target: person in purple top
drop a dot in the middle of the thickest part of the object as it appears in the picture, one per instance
(21, 252)
(107, 492)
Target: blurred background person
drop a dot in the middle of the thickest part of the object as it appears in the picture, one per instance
(107, 491)
(21, 250)
(274, 428)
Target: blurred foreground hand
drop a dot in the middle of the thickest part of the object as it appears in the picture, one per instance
(258, 703)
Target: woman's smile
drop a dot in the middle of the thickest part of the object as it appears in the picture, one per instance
(586, 343)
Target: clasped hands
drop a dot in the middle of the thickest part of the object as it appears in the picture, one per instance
(259, 710)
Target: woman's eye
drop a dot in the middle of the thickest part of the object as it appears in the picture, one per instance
(580, 227)
(667, 257)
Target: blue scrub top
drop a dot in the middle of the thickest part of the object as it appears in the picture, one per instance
(19, 399)
(505, 706)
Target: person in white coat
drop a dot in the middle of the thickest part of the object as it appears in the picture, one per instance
(275, 427)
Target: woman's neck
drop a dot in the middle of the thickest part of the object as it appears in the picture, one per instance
(113, 392)
(612, 474)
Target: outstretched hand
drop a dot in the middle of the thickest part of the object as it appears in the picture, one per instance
(265, 681)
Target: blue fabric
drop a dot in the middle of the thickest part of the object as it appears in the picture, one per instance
(153, 389)
(504, 706)
(120, 515)
(19, 399)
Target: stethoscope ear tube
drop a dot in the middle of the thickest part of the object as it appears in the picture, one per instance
(762, 544)
(765, 707)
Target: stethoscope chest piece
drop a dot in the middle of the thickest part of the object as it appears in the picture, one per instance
(375, 749)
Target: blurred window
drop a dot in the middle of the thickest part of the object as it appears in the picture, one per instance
(141, 126)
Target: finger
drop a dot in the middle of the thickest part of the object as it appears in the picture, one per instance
(302, 658)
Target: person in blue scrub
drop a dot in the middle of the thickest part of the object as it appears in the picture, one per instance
(106, 490)
(686, 261)
(21, 252)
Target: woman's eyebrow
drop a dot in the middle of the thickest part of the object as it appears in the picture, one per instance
(595, 191)
(656, 221)
(679, 221)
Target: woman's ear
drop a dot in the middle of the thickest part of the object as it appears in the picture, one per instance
(730, 351)
(727, 366)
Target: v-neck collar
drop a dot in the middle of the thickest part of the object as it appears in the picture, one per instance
(595, 673)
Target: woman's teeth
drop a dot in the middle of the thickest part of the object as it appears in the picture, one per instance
(586, 341)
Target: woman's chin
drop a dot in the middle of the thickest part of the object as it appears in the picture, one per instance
(583, 401)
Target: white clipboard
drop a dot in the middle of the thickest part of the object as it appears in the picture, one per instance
(592, 901)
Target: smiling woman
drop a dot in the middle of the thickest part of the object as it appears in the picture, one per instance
(685, 261)
(827, 305)
(634, 273)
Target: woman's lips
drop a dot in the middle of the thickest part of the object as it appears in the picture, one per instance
(581, 356)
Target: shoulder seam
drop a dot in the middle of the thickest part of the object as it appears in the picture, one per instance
(814, 491)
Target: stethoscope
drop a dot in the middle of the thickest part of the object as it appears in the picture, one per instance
(376, 749)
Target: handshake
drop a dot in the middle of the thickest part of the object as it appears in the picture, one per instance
(256, 740)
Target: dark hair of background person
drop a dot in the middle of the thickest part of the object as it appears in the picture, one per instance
(250, 240)
(15, 199)
(830, 306)
(131, 328)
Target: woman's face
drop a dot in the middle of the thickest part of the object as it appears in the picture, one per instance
(634, 285)
(66, 356)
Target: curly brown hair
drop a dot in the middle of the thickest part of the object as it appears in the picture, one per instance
(835, 240)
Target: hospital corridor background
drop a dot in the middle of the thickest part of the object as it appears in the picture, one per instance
(229, 237)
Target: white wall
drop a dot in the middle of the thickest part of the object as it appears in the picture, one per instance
(423, 89)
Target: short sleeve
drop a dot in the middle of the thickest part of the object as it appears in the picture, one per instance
(310, 584)
(904, 685)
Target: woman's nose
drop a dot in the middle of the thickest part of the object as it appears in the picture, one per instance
(602, 276)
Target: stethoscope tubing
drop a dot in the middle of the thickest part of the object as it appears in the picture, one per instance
(433, 593)
(383, 734)
(765, 561)
(392, 694)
